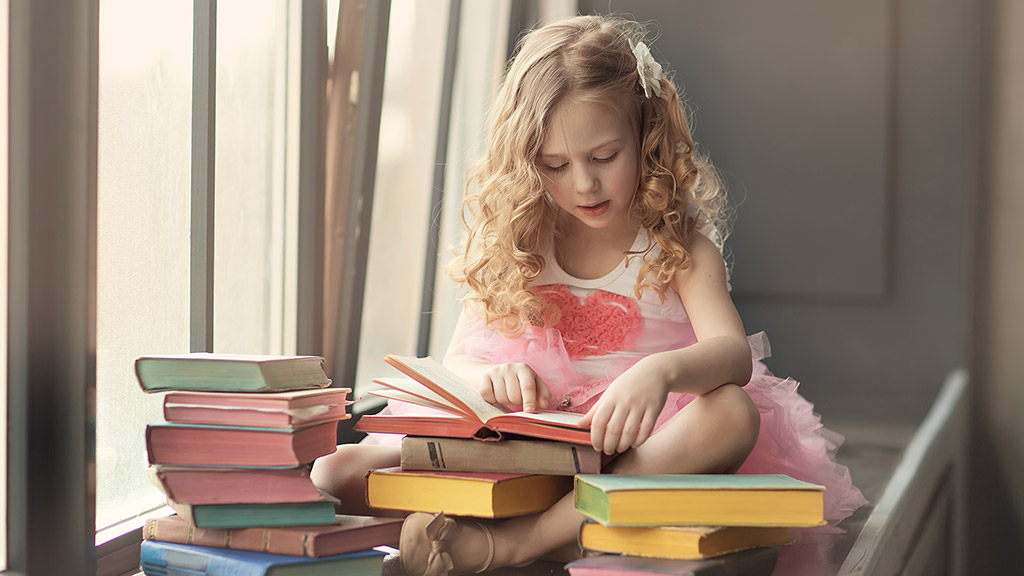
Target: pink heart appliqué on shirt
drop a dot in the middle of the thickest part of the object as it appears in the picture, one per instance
(603, 322)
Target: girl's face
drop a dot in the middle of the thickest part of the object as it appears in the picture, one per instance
(588, 161)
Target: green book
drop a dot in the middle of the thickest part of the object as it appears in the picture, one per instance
(250, 515)
(699, 499)
(230, 372)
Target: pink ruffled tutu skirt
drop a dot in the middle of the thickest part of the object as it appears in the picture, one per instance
(792, 440)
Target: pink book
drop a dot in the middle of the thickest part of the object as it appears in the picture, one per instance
(190, 485)
(293, 409)
(755, 562)
(195, 445)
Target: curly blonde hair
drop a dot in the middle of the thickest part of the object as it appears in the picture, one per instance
(508, 217)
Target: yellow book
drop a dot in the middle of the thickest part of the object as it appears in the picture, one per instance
(699, 499)
(679, 542)
(479, 494)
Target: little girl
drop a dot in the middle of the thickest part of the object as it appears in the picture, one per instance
(596, 285)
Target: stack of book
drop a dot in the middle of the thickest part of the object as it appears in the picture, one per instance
(479, 460)
(233, 459)
(673, 524)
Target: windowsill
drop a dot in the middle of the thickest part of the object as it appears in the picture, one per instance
(117, 547)
(118, 530)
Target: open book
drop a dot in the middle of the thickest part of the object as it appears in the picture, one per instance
(432, 385)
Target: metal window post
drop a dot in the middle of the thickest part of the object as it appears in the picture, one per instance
(204, 146)
(437, 190)
(311, 178)
(364, 168)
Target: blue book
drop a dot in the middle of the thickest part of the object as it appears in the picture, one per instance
(168, 559)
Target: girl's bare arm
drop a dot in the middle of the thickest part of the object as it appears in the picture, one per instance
(626, 413)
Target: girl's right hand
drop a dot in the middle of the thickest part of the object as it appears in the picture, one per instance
(515, 384)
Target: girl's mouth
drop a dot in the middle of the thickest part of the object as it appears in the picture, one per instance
(596, 210)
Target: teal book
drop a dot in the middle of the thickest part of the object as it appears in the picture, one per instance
(230, 372)
(256, 514)
(699, 499)
(164, 558)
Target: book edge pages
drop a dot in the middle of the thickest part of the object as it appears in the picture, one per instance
(606, 483)
(428, 371)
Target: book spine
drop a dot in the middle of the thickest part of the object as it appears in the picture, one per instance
(234, 485)
(520, 456)
(162, 559)
(237, 446)
(252, 539)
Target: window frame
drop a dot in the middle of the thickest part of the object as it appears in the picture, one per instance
(53, 139)
(53, 112)
(355, 245)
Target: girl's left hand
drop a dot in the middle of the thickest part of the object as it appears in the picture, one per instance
(625, 415)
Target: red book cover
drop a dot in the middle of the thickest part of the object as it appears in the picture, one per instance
(194, 445)
(430, 384)
(192, 485)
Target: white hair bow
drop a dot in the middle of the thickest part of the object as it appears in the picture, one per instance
(648, 68)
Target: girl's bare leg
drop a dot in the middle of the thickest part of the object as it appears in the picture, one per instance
(712, 434)
(343, 475)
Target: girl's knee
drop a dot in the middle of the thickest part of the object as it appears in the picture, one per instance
(327, 471)
(737, 412)
(343, 473)
(347, 466)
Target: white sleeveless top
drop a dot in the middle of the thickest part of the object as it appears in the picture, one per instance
(663, 324)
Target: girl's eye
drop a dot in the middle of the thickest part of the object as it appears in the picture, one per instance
(556, 169)
(606, 159)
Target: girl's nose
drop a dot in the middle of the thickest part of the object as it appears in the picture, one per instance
(584, 179)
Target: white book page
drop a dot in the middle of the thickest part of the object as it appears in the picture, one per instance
(406, 397)
(448, 384)
(557, 418)
(416, 392)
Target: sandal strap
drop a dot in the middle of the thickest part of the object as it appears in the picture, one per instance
(490, 547)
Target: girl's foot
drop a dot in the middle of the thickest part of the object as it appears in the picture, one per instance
(427, 546)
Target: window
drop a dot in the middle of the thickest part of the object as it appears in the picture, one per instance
(133, 221)
(403, 212)
(145, 94)
(144, 203)
(402, 191)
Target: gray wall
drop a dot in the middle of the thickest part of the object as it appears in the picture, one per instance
(875, 150)
(844, 130)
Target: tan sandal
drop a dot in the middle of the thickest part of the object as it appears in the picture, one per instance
(419, 560)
